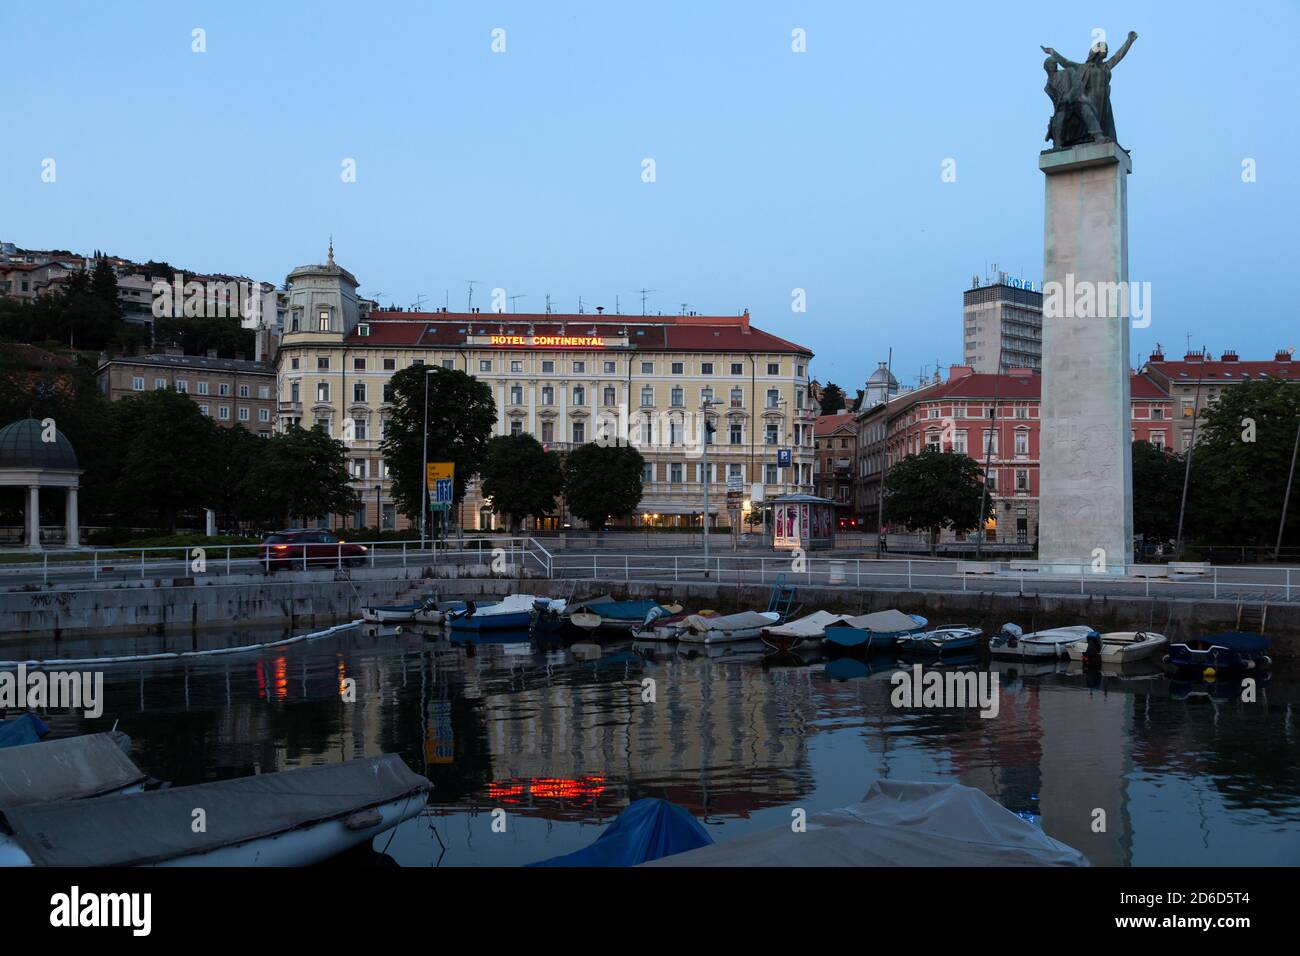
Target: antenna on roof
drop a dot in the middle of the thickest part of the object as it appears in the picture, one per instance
(521, 295)
(580, 305)
(644, 293)
(472, 283)
(418, 304)
(548, 303)
(617, 310)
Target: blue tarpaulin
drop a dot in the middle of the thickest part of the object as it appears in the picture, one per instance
(647, 830)
(19, 731)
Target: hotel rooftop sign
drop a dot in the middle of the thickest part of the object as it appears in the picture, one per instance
(547, 341)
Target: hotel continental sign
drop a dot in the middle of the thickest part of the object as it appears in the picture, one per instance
(564, 379)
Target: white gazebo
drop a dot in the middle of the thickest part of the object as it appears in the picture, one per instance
(36, 455)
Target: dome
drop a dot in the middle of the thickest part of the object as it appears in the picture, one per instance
(882, 376)
(21, 447)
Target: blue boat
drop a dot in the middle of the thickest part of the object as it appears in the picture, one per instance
(514, 613)
(880, 631)
(942, 640)
(608, 613)
(1231, 650)
(648, 829)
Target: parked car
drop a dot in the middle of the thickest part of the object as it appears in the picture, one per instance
(302, 546)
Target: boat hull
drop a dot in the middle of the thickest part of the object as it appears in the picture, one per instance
(514, 621)
(1040, 645)
(1120, 648)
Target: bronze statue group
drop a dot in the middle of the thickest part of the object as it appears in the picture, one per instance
(1080, 94)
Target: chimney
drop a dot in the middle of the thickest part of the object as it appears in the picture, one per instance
(954, 371)
(1157, 356)
(744, 322)
(1229, 356)
(1193, 357)
(1283, 355)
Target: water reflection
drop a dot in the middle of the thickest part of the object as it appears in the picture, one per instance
(563, 734)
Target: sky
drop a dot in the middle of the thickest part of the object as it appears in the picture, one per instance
(773, 170)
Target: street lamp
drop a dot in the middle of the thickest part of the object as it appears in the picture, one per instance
(424, 461)
(708, 430)
(379, 512)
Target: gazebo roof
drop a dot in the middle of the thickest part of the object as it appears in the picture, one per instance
(21, 447)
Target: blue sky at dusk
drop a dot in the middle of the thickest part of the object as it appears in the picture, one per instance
(775, 170)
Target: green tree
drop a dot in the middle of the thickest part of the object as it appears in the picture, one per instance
(936, 490)
(603, 482)
(1157, 491)
(832, 399)
(520, 477)
(299, 473)
(462, 415)
(238, 452)
(167, 461)
(1241, 463)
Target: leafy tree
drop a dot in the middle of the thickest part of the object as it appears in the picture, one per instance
(1157, 491)
(462, 416)
(197, 335)
(832, 399)
(603, 482)
(1240, 465)
(103, 286)
(520, 477)
(167, 457)
(238, 452)
(299, 473)
(936, 490)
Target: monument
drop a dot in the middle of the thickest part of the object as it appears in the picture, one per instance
(1086, 491)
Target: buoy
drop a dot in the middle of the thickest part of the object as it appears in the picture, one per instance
(1208, 673)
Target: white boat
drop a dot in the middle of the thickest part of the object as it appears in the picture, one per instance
(435, 612)
(291, 818)
(810, 629)
(898, 823)
(1050, 644)
(68, 768)
(389, 613)
(745, 626)
(1121, 647)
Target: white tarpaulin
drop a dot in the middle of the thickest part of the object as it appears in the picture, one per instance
(728, 622)
(811, 626)
(897, 824)
(884, 622)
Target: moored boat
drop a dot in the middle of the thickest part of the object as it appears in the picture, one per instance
(1232, 650)
(877, 631)
(514, 612)
(290, 818)
(1013, 644)
(942, 640)
(810, 629)
(610, 614)
(435, 612)
(745, 626)
(1117, 647)
(68, 768)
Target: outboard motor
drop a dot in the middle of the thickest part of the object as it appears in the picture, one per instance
(1011, 634)
(652, 615)
(1092, 654)
(470, 608)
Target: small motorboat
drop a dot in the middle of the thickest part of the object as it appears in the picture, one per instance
(649, 829)
(1117, 647)
(662, 626)
(290, 818)
(390, 613)
(809, 629)
(878, 631)
(68, 768)
(512, 613)
(898, 823)
(435, 612)
(1232, 650)
(745, 626)
(1013, 644)
(942, 640)
(610, 614)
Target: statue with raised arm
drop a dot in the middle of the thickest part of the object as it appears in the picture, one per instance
(1080, 94)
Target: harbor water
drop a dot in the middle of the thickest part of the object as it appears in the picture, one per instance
(1126, 765)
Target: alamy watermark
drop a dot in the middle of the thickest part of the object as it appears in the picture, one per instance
(1085, 299)
(921, 688)
(211, 299)
(74, 690)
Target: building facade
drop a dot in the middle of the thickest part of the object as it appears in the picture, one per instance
(229, 391)
(1002, 326)
(835, 445)
(565, 380)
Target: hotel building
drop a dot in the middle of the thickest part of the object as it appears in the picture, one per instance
(564, 379)
(1002, 325)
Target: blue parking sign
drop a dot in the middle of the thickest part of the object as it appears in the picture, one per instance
(783, 458)
(442, 491)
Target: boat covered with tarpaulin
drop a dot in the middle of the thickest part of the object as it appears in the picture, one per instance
(877, 631)
(648, 829)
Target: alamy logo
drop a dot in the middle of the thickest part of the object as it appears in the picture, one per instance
(213, 299)
(1083, 299)
(921, 688)
(74, 909)
(76, 690)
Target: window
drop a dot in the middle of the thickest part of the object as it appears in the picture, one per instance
(1022, 443)
(773, 368)
(263, 414)
(579, 432)
(449, 364)
(932, 412)
(293, 363)
(390, 365)
(770, 435)
(322, 362)
(1157, 411)
(548, 367)
(798, 371)
(548, 431)
(388, 393)
(182, 386)
(610, 368)
(1022, 411)
(264, 391)
(203, 388)
(959, 441)
(223, 413)
(322, 391)
(991, 481)
(579, 367)
(647, 432)
(243, 413)
(293, 392)
(736, 434)
(323, 320)
(674, 433)
(203, 409)
(516, 427)
(773, 398)
(647, 368)
(360, 467)
(159, 384)
(137, 384)
(737, 368)
(485, 365)
(678, 397)
(706, 368)
(1022, 479)
(1158, 439)
(516, 365)
(706, 396)
(647, 396)
(678, 368)
(358, 365)
(243, 391)
(675, 473)
(610, 396)
(358, 391)
(359, 429)
(990, 442)
(223, 388)
(769, 474)
(737, 398)
(548, 394)
(579, 395)
(647, 473)
(516, 395)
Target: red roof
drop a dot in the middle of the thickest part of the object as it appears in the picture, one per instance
(693, 333)
(1141, 386)
(828, 424)
(1229, 371)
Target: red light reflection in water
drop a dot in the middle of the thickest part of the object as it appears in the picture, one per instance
(281, 678)
(547, 788)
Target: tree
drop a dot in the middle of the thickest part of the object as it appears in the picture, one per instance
(167, 457)
(462, 416)
(300, 473)
(520, 477)
(603, 482)
(1240, 465)
(936, 490)
(1157, 491)
(832, 399)
(238, 452)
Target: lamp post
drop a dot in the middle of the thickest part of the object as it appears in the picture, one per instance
(708, 430)
(1286, 499)
(424, 462)
(379, 511)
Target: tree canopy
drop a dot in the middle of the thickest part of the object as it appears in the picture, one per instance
(832, 399)
(603, 482)
(520, 477)
(936, 490)
(1157, 491)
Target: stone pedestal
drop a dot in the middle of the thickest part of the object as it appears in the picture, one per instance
(1086, 492)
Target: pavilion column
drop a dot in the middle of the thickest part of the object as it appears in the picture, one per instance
(74, 532)
(34, 517)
